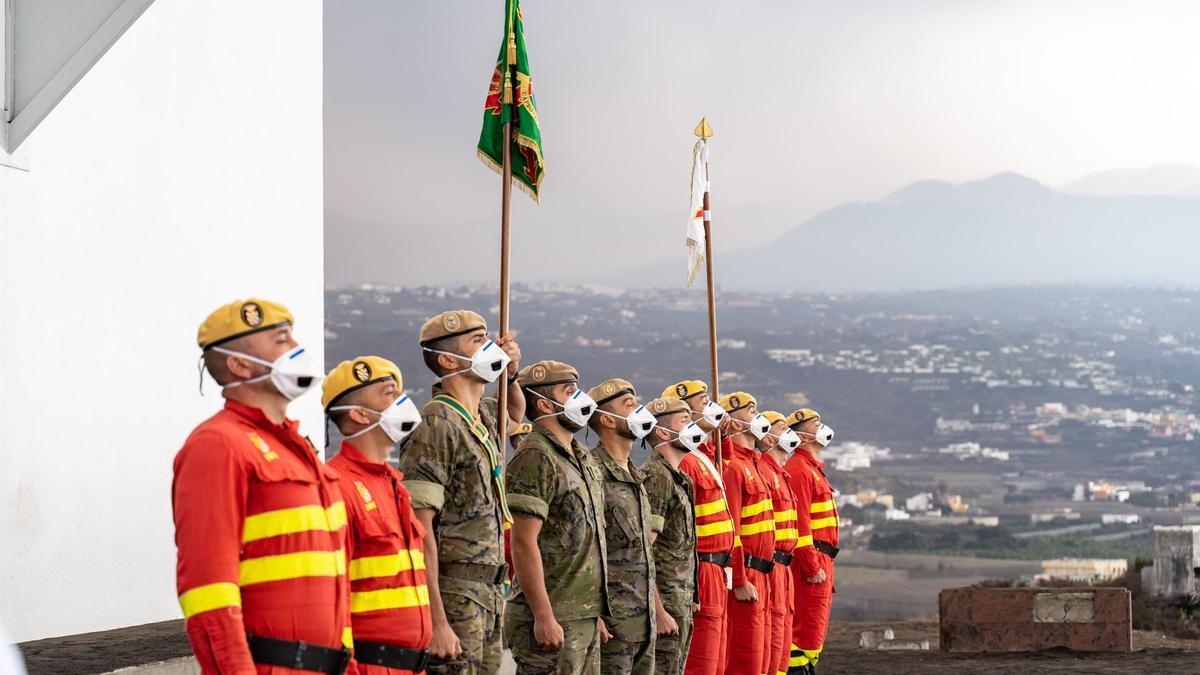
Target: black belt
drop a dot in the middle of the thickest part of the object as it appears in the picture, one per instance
(826, 548)
(783, 557)
(390, 656)
(718, 559)
(761, 564)
(298, 655)
(492, 574)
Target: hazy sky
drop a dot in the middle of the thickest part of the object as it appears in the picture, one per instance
(813, 104)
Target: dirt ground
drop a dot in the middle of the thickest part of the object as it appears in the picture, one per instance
(102, 652)
(1152, 654)
(108, 650)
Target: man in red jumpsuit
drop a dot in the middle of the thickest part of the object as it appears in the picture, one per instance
(773, 456)
(817, 542)
(259, 522)
(714, 540)
(389, 601)
(748, 492)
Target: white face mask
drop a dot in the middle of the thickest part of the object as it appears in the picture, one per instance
(713, 413)
(759, 426)
(692, 436)
(789, 441)
(293, 373)
(578, 409)
(640, 422)
(487, 363)
(397, 420)
(824, 435)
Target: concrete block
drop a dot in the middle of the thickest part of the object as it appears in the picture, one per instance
(1063, 608)
(1176, 559)
(1033, 619)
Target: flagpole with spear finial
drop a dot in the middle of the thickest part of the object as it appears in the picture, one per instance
(705, 132)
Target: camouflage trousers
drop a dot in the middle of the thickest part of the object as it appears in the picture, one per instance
(580, 653)
(621, 657)
(670, 651)
(479, 632)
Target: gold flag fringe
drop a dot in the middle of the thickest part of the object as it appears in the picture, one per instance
(495, 166)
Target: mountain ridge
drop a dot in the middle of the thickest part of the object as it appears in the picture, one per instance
(1164, 178)
(1002, 230)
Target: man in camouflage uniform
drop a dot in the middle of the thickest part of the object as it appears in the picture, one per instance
(618, 422)
(556, 492)
(451, 464)
(673, 535)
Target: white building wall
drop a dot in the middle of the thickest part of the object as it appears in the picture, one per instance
(184, 171)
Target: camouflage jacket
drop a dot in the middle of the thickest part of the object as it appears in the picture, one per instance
(564, 488)
(672, 505)
(446, 468)
(630, 563)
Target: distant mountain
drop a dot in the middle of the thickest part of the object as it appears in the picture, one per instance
(1181, 180)
(1005, 230)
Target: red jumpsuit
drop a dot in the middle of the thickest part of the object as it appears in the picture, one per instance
(782, 602)
(261, 530)
(816, 521)
(714, 536)
(389, 601)
(749, 494)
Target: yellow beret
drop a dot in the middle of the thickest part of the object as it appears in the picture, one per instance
(737, 400)
(450, 324)
(546, 373)
(773, 417)
(610, 389)
(241, 317)
(667, 405)
(801, 416)
(685, 389)
(355, 374)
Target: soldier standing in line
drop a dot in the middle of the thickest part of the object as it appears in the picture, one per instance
(556, 492)
(817, 529)
(249, 495)
(452, 465)
(621, 420)
(673, 535)
(771, 430)
(389, 600)
(749, 496)
(715, 542)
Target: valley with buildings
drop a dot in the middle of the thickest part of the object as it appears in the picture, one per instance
(1022, 433)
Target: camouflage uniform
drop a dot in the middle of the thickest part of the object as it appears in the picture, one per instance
(630, 570)
(564, 488)
(672, 505)
(447, 469)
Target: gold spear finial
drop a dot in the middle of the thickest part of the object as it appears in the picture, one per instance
(703, 130)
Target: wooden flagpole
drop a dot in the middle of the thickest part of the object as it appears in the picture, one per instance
(705, 132)
(505, 199)
(505, 207)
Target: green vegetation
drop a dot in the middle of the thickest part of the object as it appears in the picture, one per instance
(998, 542)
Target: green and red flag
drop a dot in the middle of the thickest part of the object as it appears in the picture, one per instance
(513, 101)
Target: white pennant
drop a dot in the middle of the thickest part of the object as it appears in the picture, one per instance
(695, 228)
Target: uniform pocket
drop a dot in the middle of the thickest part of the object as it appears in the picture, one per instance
(278, 471)
(375, 527)
(624, 530)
